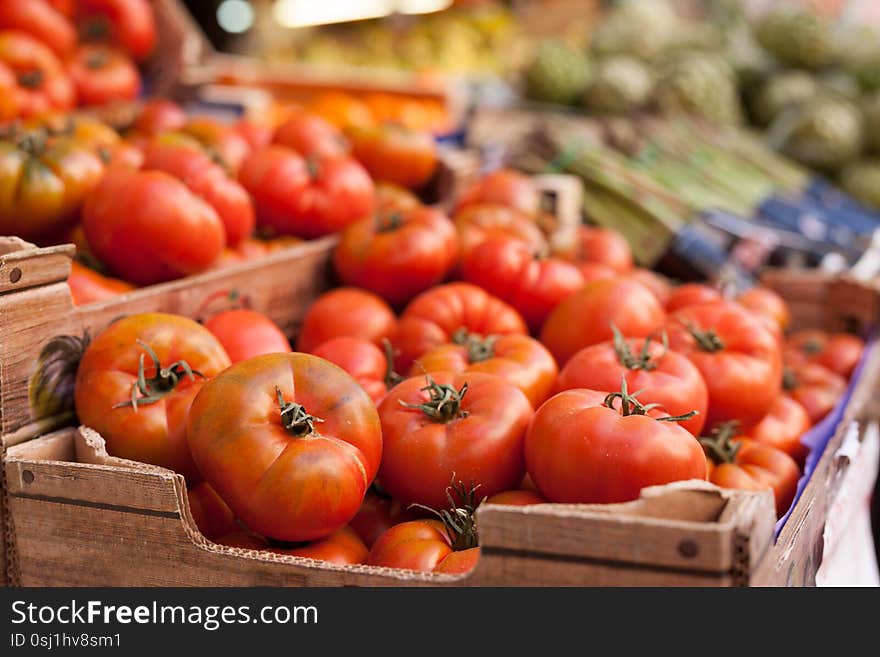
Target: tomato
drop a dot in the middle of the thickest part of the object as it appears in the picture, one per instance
(377, 514)
(661, 376)
(591, 244)
(751, 465)
(585, 318)
(782, 428)
(41, 21)
(306, 198)
(506, 187)
(42, 84)
(311, 136)
(477, 223)
(516, 498)
(257, 133)
(593, 271)
(692, 294)
(532, 284)
(136, 381)
(87, 285)
(360, 358)
(158, 115)
(394, 153)
(133, 220)
(397, 254)
(518, 359)
(290, 441)
(184, 160)
(390, 197)
(469, 425)
(128, 24)
(9, 100)
(343, 547)
(433, 317)
(767, 303)
(223, 142)
(839, 352)
(341, 109)
(246, 333)
(737, 354)
(459, 562)
(583, 447)
(659, 285)
(346, 311)
(102, 75)
(43, 184)
(814, 387)
(210, 513)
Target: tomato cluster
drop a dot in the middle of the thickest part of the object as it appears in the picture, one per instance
(494, 356)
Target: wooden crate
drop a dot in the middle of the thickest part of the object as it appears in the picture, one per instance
(79, 517)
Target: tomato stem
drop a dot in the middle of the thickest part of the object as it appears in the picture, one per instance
(460, 519)
(392, 378)
(719, 445)
(444, 404)
(706, 340)
(31, 79)
(478, 347)
(387, 222)
(789, 380)
(294, 417)
(812, 347)
(643, 361)
(629, 405)
(159, 385)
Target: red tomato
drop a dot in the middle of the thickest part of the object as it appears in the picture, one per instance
(766, 302)
(580, 450)
(592, 271)
(247, 333)
(518, 359)
(750, 465)
(360, 358)
(257, 134)
(585, 318)
(459, 562)
(391, 197)
(290, 442)
(477, 223)
(103, 75)
(839, 352)
(394, 153)
(346, 311)
(505, 187)
(782, 428)
(87, 285)
(434, 316)
(133, 220)
(377, 514)
(223, 141)
(533, 285)
(468, 425)
(209, 511)
(516, 498)
(311, 136)
(186, 161)
(692, 294)
(663, 377)
(659, 285)
(128, 24)
(737, 354)
(136, 381)
(40, 20)
(596, 245)
(397, 254)
(343, 547)
(42, 84)
(814, 387)
(158, 115)
(310, 198)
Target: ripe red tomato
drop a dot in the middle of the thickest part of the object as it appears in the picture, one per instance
(506, 187)
(691, 294)
(224, 143)
(40, 20)
(158, 115)
(532, 284)
(751, 465)
(311, 136)
(103, 75)
(468, 425)
(308, 199)
(737, 354)
(136, 381)
(765, 302)
(814, 387)
(592, 271)
(516, 498)
(185, 160)
(87, 286)
(361, 359)
(42, 84)
(377, 514)
(395, 153)
(128, 24)
(663, 377)
(246, 333)
(132, 221)
(346, 311)
(343, 547)
(839, 352)
(518, 359)
(397, 254)
(391, 197)
(782, 428)
(591, 244)
(433, 317)
(477, 223)
(585, 318)
(290, 441)
(257, 133)
(210, 513)
(659, 285)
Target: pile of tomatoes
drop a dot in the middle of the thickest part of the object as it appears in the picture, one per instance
(494, 356)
